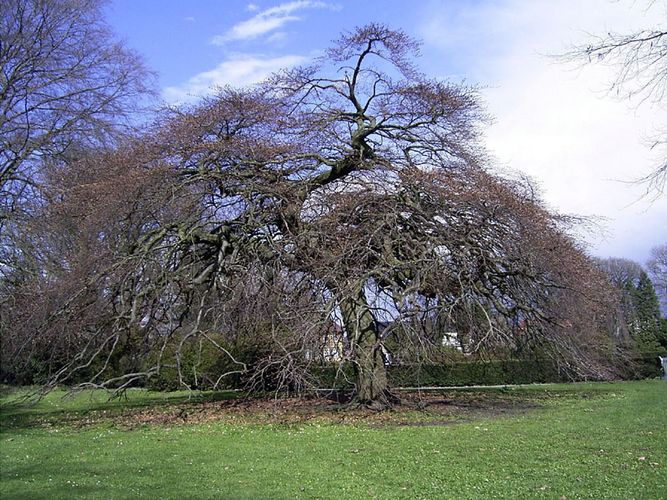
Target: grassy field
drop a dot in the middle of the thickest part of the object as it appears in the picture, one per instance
(553, 441)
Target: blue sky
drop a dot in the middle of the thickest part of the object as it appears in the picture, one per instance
(552, 122)
(184, 39)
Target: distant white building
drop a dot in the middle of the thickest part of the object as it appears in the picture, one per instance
(451, 339)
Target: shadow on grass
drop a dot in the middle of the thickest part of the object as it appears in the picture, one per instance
(136, 406)
(24, 408)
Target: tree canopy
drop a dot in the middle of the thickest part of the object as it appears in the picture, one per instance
(639, 304)
(64, 81)
(346, 205)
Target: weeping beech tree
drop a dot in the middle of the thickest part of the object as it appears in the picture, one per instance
(328, 202)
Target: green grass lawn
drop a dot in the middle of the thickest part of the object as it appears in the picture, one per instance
(576, 441)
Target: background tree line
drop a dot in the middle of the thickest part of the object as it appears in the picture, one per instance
(640, 299)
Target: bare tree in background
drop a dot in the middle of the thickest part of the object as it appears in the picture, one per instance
(328, 201)
(64, 81)
(624, 275)
(657, 268)
(620, 271)
(66, 86)
(639, 311)
(639, 60)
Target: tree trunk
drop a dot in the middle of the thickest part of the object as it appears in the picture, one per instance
(366, 349)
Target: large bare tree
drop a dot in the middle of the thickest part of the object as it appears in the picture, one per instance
(348, 200)
(64, 81)
(66, 85)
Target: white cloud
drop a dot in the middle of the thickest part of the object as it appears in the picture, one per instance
(277, 37)
(239, 71)
(251, 7)
(267, 20)
(189, 19)
(555, 122)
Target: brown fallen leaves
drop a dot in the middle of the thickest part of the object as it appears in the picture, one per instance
(425, 409)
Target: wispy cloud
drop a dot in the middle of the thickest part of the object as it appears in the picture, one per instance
(240, 70)
(267, 20)
(277, 37)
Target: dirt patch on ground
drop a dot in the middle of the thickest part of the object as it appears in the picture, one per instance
(415, 409)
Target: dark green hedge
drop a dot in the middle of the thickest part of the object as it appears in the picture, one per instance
(452, 374)
(646, 365)
(465, 373)
(461, 373)
(478, 373)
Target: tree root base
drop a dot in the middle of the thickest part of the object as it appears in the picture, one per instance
(385, 402)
